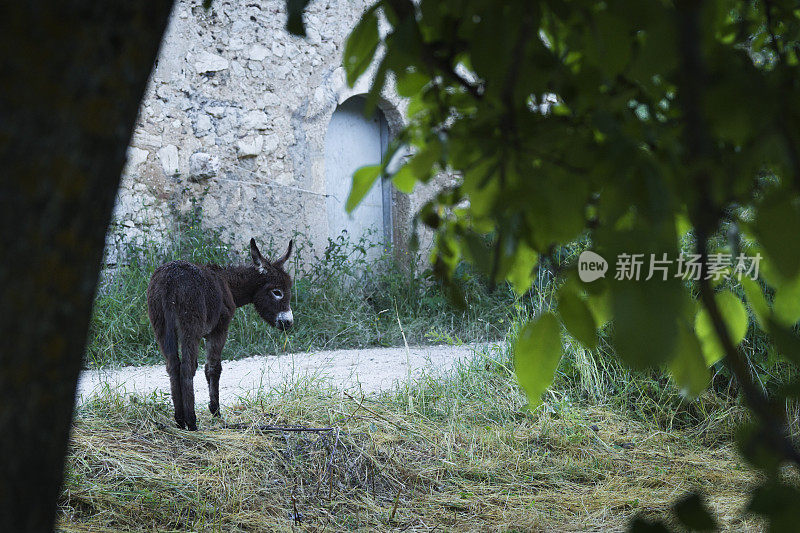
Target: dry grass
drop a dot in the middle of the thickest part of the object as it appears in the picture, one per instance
(455, 455)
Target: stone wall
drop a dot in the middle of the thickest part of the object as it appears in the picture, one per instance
(235, 117)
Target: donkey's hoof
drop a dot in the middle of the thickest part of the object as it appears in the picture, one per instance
(214, 408)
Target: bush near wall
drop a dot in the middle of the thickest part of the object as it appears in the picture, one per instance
(340, 300)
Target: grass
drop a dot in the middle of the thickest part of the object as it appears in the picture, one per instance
(340, 300)
(460, 453)
(463, 455)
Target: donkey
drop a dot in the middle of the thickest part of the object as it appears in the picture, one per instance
(186, 301)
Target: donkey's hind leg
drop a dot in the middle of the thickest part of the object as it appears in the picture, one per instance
(189, 348)
(214, 343)
(163, 323)
(174, 371)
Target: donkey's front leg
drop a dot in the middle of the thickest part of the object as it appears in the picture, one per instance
(214, 343)
(189, 348)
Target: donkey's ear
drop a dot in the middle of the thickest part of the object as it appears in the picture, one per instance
(255, 255)
(279, 263)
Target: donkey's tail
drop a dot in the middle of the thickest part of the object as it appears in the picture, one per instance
(170, 331)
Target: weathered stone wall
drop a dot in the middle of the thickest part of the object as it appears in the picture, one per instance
(235, 117)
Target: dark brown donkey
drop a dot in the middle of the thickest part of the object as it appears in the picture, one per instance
(187, 301)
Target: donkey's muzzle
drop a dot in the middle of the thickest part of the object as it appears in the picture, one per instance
(284, 320)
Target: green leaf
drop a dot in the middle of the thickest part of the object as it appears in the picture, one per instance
(577, 317)
(777, 502)
(682, 224)
(786, 303)
(481, 186)
(777, 227)
(643, 525)
(404, 42)
(786, 341)
(611, 49)
(363, 179)
(374, 94)
(410, 83)
(657, 54)
(600, 306)
(557, 208)
(758, 303)
(422, 163)
(756, 450)
(520, 271)
(491, 48)
(645, 312)
(360, 47)
(693, 514)
(645, 325)
(734, 314)
(735, 317)
(418, 168)
(536, 355)
(689, 366)
(477, 251)
(404, 179)
(560, 109)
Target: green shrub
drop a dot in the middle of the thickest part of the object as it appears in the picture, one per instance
(341, 299)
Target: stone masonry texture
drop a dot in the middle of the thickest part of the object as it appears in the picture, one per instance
(234, 121)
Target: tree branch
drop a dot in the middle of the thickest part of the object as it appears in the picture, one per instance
(706, 217)
(773, 37)
(777, 432)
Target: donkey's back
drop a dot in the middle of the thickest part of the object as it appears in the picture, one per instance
(188, 297)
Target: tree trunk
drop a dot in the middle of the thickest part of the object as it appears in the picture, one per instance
(73, 74)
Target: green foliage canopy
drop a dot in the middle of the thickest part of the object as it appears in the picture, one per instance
(628, 122)
(636, 126)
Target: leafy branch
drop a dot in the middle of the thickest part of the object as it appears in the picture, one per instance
(669, 126)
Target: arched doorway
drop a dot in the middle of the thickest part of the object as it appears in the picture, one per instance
(352, 141)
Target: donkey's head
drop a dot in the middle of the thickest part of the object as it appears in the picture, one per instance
(271, 300)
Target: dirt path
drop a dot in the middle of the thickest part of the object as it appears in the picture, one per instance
(369, 370)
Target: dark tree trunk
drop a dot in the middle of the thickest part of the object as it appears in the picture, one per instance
(73, 73)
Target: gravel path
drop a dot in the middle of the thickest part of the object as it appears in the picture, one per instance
(369, 370)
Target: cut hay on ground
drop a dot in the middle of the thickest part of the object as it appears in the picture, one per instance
(456, 456)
